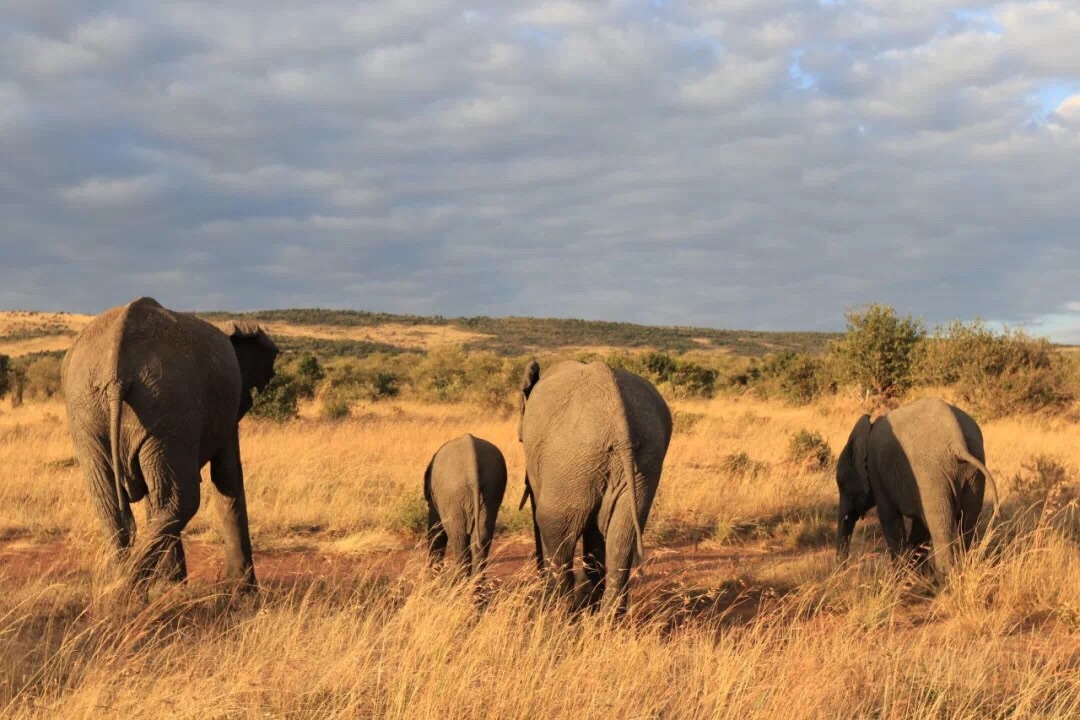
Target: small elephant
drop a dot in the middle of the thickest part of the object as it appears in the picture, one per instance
(923, 462)
(464, 485)
(152, 396)
(595, 440)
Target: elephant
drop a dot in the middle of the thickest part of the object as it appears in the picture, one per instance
(464, 485)
(595, 440)
(186, 385)
(923, 462)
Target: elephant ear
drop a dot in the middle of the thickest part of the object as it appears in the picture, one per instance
(860, 459)
(529, 378)
(255, 353)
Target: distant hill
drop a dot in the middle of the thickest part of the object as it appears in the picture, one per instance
(358, 333)
(517, 335)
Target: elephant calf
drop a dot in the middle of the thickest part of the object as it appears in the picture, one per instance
(464, 485)
(925, 462)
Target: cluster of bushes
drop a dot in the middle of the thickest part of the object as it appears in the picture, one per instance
(882, 356)
(34, 377)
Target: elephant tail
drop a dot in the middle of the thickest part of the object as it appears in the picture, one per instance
(478, 522)
(626, 456)
(966, 456)
(116, 392)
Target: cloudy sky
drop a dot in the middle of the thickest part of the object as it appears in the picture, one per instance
(734, 163)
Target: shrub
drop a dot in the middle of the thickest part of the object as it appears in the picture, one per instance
(278, 402)
(810, 450)
(43, 378)
(309, 373)
(410, 516)
(492, 381)
(1047, 489)
(741, 465)
(335, 409)
(997, 374)
(440, 376)
(371, 380)
(879, 351)
(795, 378)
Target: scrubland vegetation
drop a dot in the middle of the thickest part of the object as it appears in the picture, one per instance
(739, 610)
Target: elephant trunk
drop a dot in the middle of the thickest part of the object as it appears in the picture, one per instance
(845, 527)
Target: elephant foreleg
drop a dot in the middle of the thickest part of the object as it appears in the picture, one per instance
(230, 501)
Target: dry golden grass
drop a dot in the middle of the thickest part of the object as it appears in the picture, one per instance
(739, 611)
(14, 324)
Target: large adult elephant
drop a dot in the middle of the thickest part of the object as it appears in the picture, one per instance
(924, 462)
(152, 396)
(595, 440)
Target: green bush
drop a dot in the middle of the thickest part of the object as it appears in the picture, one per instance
(335, 409)
(411, 516)
(279, 401)
(794, 378)
(492, 382)
(741, 465)
(440, 375)
(810, 450)
(309, 373)
(997, 374)
(369, 380)
(879, 351)
(43, 378)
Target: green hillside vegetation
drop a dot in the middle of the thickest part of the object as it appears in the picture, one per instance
(516, 335)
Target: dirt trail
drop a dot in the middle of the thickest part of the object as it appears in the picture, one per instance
(680, 566)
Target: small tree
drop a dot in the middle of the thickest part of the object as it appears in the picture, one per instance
(879, 350)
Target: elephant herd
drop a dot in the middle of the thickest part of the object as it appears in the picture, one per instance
(153, 395)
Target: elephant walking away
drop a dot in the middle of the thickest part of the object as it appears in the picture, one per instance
(464, 485)
(595, 440)
(152, 396)
(923, 462)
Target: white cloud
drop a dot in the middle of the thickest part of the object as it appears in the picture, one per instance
(608, 159)
(104, 192)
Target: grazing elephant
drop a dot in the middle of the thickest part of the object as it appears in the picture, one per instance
(924, 462)
(595, 440)
(152, 396)
(464, 485)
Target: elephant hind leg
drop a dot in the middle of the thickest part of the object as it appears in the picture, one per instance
(969, 504)
(459, 546)
(436, 537)
(559, 536)
(173, 480)
(619, 552)
(97, 469)
(593, 558)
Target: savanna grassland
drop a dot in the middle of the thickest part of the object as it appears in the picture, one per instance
(739, 609)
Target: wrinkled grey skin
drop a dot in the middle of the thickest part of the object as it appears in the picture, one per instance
(152, 396)
(464, 485)
(595, 440)
(924, 463)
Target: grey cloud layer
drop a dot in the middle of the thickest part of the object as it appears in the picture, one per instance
(756, 164)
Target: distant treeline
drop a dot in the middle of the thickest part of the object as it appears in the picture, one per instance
(517, 335)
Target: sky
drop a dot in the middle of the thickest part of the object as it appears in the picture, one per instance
(760, 164)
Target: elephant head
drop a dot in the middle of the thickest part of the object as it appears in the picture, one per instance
(529, 378)
(853, 481)
(255, 352)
